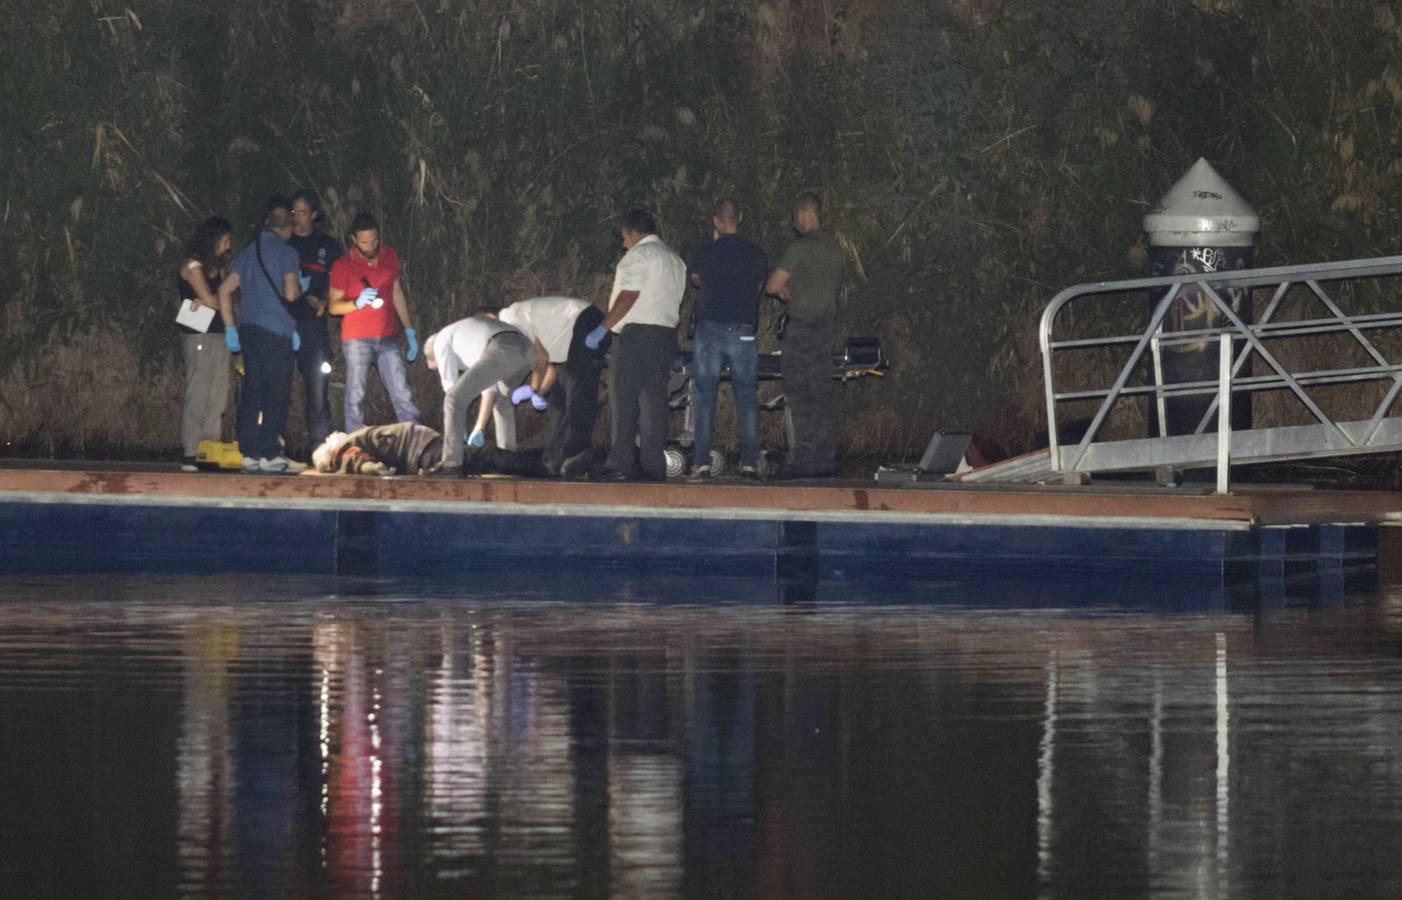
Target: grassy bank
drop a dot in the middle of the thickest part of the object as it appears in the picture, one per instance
(975, 156)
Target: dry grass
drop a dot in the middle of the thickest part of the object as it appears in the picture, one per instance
(91, 395)
(970, 172)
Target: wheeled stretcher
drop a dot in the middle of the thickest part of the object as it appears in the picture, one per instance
(860, 358)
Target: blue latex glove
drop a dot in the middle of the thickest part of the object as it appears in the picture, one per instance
(521, 394)
(477, 438)
(539, 402)
(596, 337)
(296, 342)
(305, 281)
(231, 338)
(413, 338)
(366, 298)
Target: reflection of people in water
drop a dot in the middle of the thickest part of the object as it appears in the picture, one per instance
(363, 757)
(204, 758)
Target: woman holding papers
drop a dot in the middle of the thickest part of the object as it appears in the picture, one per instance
(202, 337)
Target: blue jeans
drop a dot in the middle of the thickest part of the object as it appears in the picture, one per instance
(717, 343)
(386, 355)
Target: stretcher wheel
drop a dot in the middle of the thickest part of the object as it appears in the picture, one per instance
(676, 462)
(717, 463)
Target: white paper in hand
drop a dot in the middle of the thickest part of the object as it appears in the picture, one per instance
(195, 319)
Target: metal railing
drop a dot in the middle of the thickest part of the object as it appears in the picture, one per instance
(1239, 340)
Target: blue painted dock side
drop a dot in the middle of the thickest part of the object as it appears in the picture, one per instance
(88, 534)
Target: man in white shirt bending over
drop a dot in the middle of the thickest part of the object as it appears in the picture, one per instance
(643, 310)
(471, 356)
(571, 384)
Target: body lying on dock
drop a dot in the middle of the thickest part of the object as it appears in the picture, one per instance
(406, 448)
(403, 448)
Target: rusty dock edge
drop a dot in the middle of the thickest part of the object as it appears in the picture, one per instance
(65, 520)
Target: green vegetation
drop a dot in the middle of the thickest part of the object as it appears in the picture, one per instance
(976, 156)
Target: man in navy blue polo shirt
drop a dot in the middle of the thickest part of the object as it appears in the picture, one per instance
(730, 271)
(266, 275)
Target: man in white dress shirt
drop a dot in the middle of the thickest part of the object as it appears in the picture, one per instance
(559, 325)
(643, 310)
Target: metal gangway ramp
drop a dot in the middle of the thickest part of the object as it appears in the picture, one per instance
(1328, 364)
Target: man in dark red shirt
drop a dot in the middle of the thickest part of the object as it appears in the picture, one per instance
(365, 289)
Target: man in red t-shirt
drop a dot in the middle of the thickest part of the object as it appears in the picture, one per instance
(365, 289)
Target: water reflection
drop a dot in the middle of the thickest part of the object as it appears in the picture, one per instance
(204, 760)
(304, 741)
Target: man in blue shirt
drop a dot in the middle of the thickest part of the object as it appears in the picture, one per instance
(730, 271)
(266, 275)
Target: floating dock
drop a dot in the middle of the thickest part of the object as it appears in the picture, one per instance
(137, 519)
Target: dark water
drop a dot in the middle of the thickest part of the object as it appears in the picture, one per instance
(220, 736)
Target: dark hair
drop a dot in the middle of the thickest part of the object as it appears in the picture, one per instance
(275, 212)
(639, 220)
(808, 200)
(309, 197)
(363, 222)
(206, 237)
(727, 211)
(487, 311)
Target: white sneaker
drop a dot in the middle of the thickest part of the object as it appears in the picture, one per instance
(252, 466)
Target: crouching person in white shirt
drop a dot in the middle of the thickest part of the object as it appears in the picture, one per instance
(471, 357)
(559, 326)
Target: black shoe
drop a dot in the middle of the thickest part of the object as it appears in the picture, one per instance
(442, 471)
(475, 461)
(750, 473)
(610, 475)
(577, 466)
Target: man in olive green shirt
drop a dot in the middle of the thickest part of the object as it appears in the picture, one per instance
(808, 279)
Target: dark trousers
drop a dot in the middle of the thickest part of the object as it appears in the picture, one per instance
(428, 457)
(314, 362)
(807, 364)
(574, 401)
(267, 391)
(639, 367)
(490, 458)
